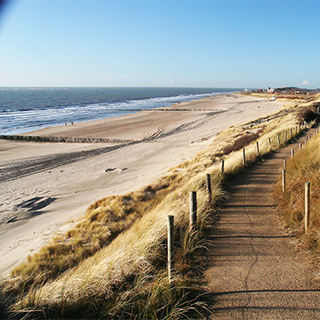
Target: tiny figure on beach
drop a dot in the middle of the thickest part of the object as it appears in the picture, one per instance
(71, 122)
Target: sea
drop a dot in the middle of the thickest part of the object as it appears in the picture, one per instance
(27, 109)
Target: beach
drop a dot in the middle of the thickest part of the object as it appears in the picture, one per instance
(47, 186)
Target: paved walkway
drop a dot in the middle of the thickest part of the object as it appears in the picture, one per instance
(255, 271)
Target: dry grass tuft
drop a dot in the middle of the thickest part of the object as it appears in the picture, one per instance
(242, 141)
(304, 167)
(308, 115)
(103, 222)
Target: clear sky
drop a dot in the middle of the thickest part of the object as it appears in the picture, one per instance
(247, 44)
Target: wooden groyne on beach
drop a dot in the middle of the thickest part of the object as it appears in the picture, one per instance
(63, 139)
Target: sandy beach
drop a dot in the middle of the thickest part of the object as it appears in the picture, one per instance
(46, 186)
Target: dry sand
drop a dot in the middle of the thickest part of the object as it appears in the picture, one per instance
(46, 185)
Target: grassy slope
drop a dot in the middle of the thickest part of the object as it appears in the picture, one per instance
(122, 267)
(304, 167)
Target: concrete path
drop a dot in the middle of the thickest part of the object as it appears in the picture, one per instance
(255, 271)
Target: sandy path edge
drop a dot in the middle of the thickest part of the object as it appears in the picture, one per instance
(255, 272)
(67, 190)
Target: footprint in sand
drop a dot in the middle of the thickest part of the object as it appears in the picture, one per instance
(113, 169)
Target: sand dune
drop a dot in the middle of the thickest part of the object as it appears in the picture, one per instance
(46, 185)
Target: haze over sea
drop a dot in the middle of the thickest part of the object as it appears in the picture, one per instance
(27, 109)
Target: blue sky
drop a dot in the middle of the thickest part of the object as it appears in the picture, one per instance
(239, 44)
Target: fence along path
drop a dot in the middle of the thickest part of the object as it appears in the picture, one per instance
(255, 271)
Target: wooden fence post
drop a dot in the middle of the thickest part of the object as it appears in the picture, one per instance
(284, 164)
(193, 211)
(306, 207)
(279, 140)
(222, 168)
(244, 157)
(286, 137)
(292, 153)
(170, 246)
(258, 152)
(290, 133)
(283, 181)
(300, 146)
(209, 187)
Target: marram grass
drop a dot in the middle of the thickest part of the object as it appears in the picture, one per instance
(112, 263)
(304, 167)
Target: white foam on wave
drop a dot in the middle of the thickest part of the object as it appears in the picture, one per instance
(22, 121)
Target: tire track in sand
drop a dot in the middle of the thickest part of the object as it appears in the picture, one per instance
(26, 167)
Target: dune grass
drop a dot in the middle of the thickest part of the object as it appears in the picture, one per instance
(304, 167)
(112, 264)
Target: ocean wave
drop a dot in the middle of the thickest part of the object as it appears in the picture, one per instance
(52, 108)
